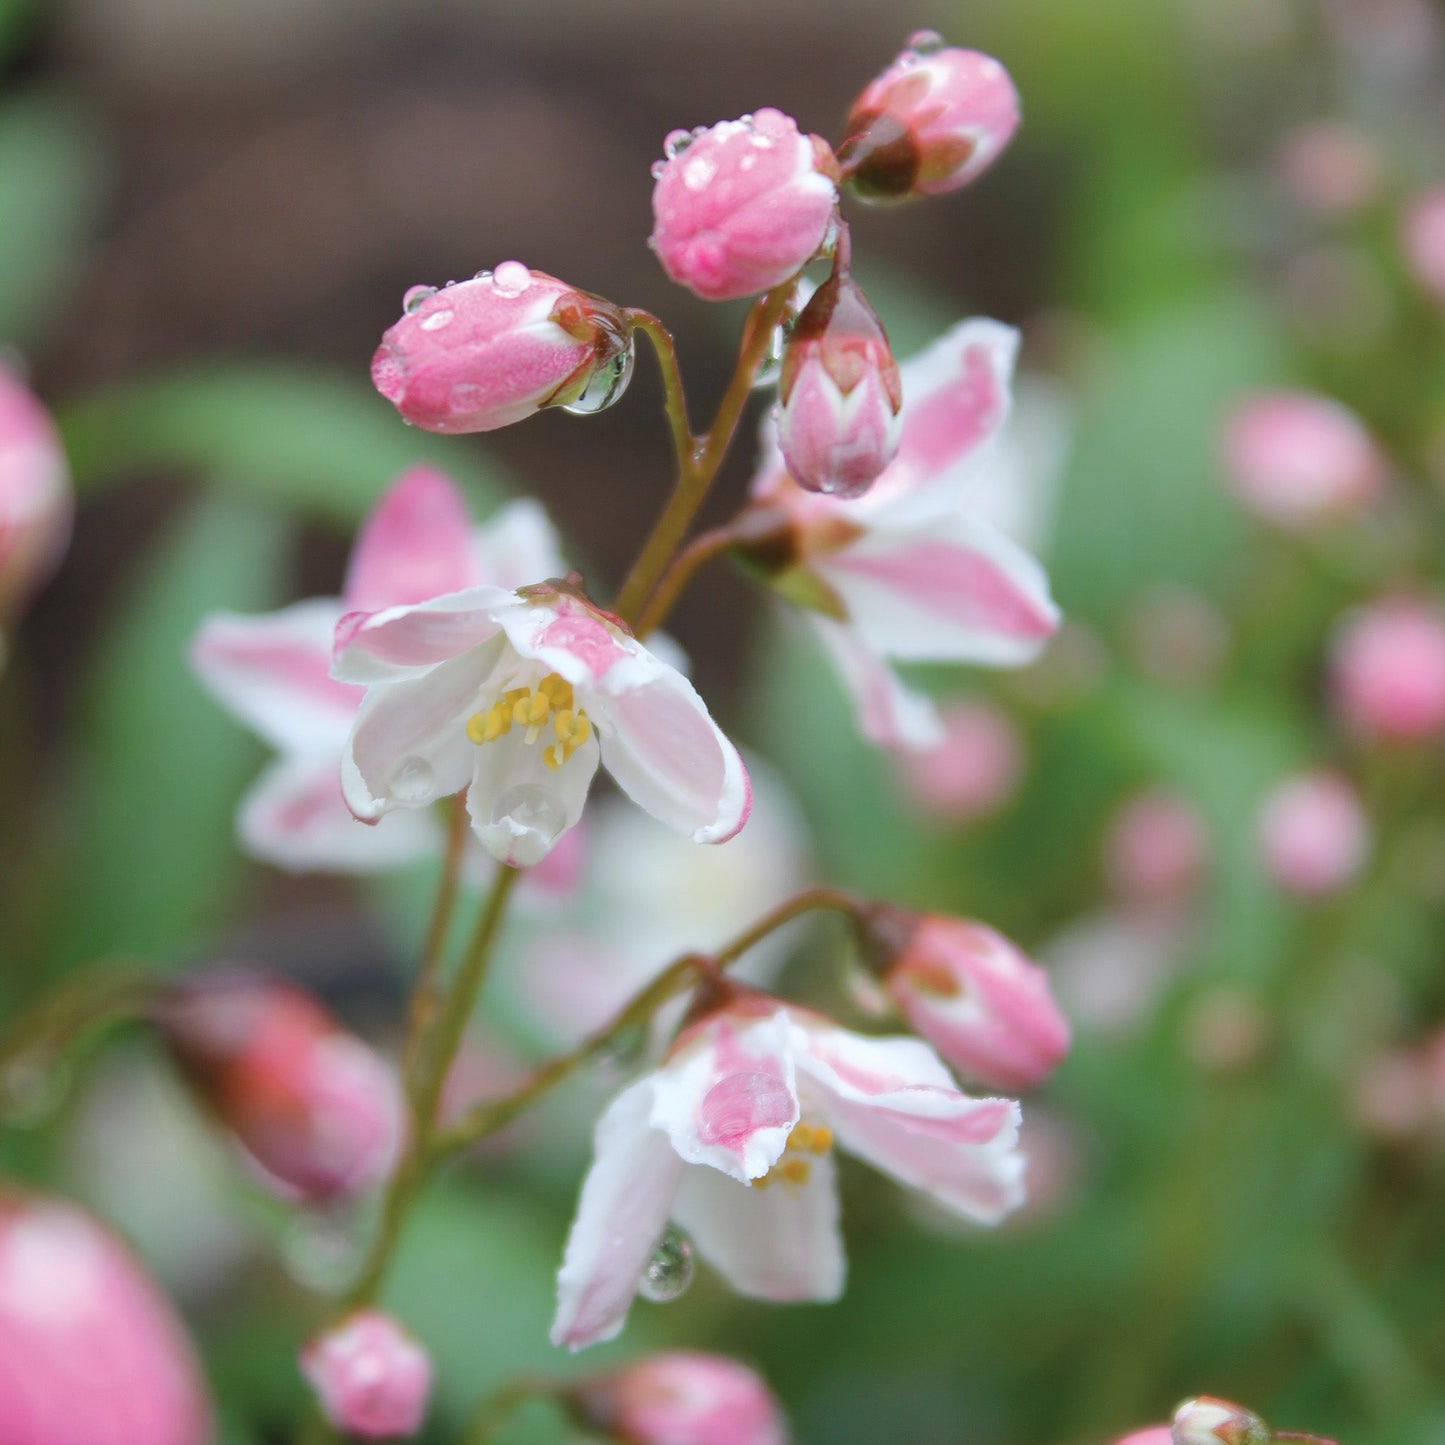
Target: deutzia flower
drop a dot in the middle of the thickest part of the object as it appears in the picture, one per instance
(732, 1138)
(273, 671)
(912, 571)
(517, 696)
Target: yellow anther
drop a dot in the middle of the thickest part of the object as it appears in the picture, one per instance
(557, 690)
(554, 756)
(486, 727)
(822, 1140)
(477, 728)
(795, 1171)
(531, 710)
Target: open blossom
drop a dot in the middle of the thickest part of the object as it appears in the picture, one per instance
(481, 354)
(911, 572)
(35, 495)
(517, 697)
(1314, 834)
(91, 1353)
(732, 1138)
(933, 121)
(742, 205)
(372, 1378)
(317, 1111)
(273, 671)
(1210, 1421)
(1387, 666)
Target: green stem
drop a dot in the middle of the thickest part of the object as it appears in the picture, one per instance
(492, 1413)
(702, 549)
(674, 398)
(116, 989)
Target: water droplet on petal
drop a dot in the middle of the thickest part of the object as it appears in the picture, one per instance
(437, 320)
(416, 296)
(669, 1272)
(676, 142)
(697, 173)
(511, 279)
(657, 169)
(606, 384)
(33, 1086)
(413, 781)
(926, 42)
(322, 1246)
(530, 805)
(483, 275)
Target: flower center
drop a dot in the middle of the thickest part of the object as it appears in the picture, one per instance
(532, 709)
(794, 1167)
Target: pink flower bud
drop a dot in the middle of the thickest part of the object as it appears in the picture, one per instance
(743, 205)
(933, 121)
(91, 1353)
(1156, 848)
(1154, 1435)
(682, 1397)
(1424, 241)
(1208, 1421)
(839, 393)
(968, 991)
(372, 1378)
(480, 354)
(974, 771)
(314, 1107)
(1331, 167)
(1388, 669)
(1314, 835)
(35, 496)
(1294, 458)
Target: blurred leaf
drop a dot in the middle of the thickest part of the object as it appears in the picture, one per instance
(15, 20)
(304, 437)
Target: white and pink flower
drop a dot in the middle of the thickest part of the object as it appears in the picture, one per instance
(273, 671)
(732, 1139)
(372, 1379)
(912, 571)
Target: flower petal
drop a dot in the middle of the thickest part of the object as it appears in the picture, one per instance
(519, 807)
(621, 1215)
(403, 641)
(272, 672)
(889, 714)
(892, 1102)
(778, 1241)
(517, 546)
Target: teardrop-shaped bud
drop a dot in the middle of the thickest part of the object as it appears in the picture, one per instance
(371, 1378)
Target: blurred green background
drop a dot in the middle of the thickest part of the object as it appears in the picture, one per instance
(208, 213)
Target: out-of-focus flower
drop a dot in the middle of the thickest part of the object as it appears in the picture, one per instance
(481, 354)
(461, 689)
(1295, 458)
(908, 572)
(742, 205)
(1209, 1421)
(1388, 669)
(316, 1110)
(1423, 238)
(1331, 167)
(1313, 834)
(372, 1379)
(974, 996)
(682, 1397)
(930, 123)
(973, 771)
(1156, 848)
(35, 496)
(91, 1353)
(1154, 1435)
(839, 393)
(273, 671)
(732, 1137)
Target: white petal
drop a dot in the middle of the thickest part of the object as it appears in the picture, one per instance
(402, 642)
(621, 1216)
(519, 807)
(889, 714)
(518, 546)
(778, 1241)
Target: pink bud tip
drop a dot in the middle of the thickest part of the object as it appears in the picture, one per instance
(683, 1397)
(1157, 848)
(932, 122)
(741, 206)
(1388, 670)
(35, 495)
(1208, 1421)
(1294, 458)
(1154, 1435)
(372, 1379)
(316, 1110)
(1314, 835)
(91, 1353)
(973, 771)
(1424, 241)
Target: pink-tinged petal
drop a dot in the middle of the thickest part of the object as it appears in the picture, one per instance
(777, 1241)
(413, 547)
(889, 714)
(621, 1216)
(409, 745)
(958, 592)
(573, 640)
(273, 673)
(519, 807)
(890, 1101)
(728, 1098)
(517, 546)
(295, 816)
(402, 641)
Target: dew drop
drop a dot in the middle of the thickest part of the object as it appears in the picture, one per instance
(657, 169)
(669, 1272)
(413, 781)
(676, 142)
(33, 1085)
(511, 279)
(606, 384)
(437, 320)
(483, 275)
(530, 805)
(322, 1247)
(416, 296)
(697, 173)
(926, 42)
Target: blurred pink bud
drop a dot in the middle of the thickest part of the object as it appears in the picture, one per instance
(1388, 669)
(973, 995)
(1154, 1435)
(481, 354)
(1424, 241)
(371, 1377)
(1395, 1095)
(974, 771)
(839, 393)
(35, 495)
(1156, 848)
(1208, 1421)
(91, 1353)
(314, 1107)
(1293, 458)
(1331, 167)
(930, 123)
(741, 206)
(1313, 834)
(683, 1397)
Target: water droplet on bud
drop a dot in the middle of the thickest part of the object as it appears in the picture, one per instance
(606, 384)
(416, 296)
(33, 1085)
(676, 142)
(322, 1247)
(511, 279)
(412, 781)
(437, 320)
(484, 274)
(926, 42)
(669, 1272)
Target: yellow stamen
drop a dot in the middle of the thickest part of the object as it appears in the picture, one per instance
(795, 1171)
(531, 708)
